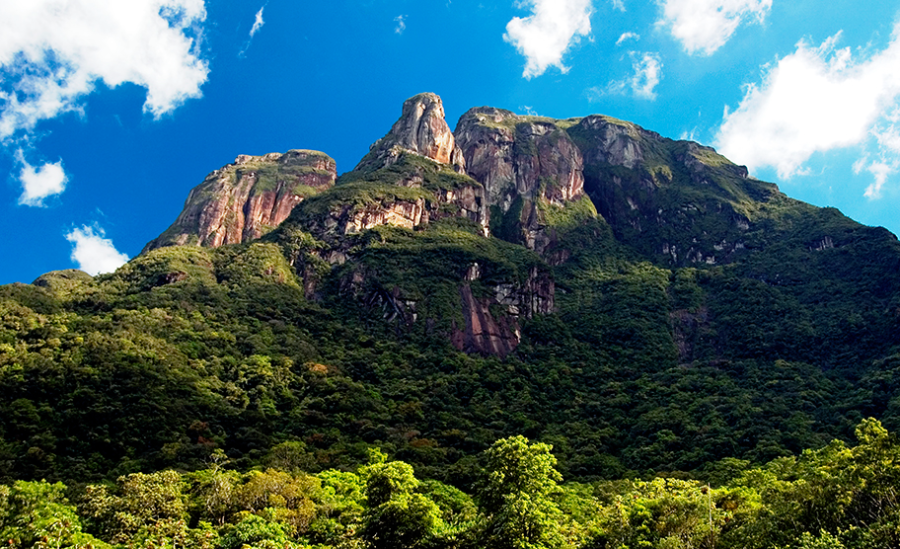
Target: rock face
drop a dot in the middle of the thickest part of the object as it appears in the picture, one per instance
(515, 156)
(422, 129)
(244, 200)
(409, 210)
(677, 201)
(411, 176)
(521, 161)
(489, 333)
(613, 142)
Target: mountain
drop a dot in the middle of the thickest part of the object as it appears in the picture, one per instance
(641, 303)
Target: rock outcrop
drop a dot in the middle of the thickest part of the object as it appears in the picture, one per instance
(422, 129)
(411, 176)
(488, 319)
(246, 199)
(521, 161)
(519, 156)
(331, 217)
(613, 142)
(676, 201)
(492, 323)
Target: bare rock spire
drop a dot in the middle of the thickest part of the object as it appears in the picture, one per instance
(422, 129)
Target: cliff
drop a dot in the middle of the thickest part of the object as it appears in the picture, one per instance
(523, 162)
(248, 198)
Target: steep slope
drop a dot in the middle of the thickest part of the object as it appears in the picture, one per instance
(246, 199)
(668, 198)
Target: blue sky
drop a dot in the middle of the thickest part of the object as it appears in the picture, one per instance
(110, 111)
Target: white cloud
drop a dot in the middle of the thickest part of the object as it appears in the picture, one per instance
(688, 135)
(94, 253)
(881, 171)
(401, 24)
(53, 52)
(258, 23)
(619, 4)
(816, 100)
(642, 84)
(544, 36)
(706, 25)
(647, 73)
(627, 36)
(887, 143)
(40, 183)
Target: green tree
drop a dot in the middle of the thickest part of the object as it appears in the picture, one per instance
(145, 503)
(823, 541)
(37, 514)
(257, 533)
(397, 516)
(516, 496)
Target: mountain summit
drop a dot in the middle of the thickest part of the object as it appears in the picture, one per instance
(422, 129)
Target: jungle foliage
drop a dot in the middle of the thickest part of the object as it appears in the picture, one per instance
(839, 497)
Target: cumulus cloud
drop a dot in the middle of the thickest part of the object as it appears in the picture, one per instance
(642, 84)
(401, 24)
(627, 36)
(619, 4)
(40, 183)
(706, 25)
(815, 100)
(93, 252)
(54, 52)
(544, 36)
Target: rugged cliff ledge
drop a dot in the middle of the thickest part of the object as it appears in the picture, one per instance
(248, 198)
(413, 175)
(520, 156)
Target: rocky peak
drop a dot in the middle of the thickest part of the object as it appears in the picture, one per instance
(422, 129)
(244, 200)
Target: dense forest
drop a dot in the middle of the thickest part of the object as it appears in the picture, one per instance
(547, 333)
(837, 497)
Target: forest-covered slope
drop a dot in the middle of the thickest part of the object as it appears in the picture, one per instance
(639, 303)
